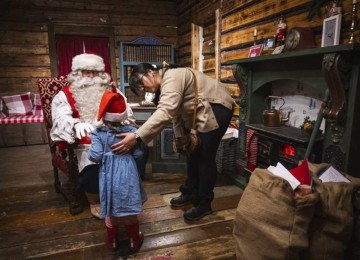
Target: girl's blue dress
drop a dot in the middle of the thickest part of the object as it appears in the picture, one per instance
(121, 191)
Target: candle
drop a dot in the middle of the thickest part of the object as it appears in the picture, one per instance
(255, 32)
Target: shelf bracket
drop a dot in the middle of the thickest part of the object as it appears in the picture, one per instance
(335, 69)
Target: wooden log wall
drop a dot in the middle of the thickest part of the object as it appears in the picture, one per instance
(239, 19)
(25, 25)
(25, 28)
(201, 13)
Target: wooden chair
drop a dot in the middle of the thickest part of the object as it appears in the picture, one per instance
(62, 159)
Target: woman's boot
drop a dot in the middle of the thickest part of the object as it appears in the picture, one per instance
(136, 238)
(111, 238)
(198, 212)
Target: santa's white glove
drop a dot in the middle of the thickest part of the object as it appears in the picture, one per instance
(82, 129)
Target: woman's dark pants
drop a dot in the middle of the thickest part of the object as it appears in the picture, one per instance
(201, 165)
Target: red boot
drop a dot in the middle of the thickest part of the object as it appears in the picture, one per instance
(136, 238)
(111, 238)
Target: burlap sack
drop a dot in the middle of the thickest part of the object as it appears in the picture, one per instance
(354, 250)
(332, 225)
(271, 221)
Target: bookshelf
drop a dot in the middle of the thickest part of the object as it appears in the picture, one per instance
(144, 49)
(154, 51)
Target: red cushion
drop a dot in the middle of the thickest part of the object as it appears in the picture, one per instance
(302, 173)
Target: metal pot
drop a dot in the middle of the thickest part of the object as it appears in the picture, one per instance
(272, 116)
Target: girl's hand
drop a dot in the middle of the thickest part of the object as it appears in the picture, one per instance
(125, 145)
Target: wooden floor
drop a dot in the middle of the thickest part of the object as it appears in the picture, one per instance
(35, 221)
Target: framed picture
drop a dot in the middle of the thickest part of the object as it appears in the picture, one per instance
(269, 43)
(167, 151)
(255, 50)
(331, 31)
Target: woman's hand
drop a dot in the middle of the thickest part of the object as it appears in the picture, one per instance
(125, 145)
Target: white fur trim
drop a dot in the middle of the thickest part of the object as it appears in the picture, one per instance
(98, 123)
(115, 117)
(88, 62)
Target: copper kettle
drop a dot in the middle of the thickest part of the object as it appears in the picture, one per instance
(272, 116)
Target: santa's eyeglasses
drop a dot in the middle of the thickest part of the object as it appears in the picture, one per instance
(90, 72)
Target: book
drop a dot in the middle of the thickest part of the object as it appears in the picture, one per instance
(280, 171)
(332, 175)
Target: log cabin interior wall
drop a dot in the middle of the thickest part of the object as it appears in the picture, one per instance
(25, 50)
(200, 13)
(27, 27)
(239, 19)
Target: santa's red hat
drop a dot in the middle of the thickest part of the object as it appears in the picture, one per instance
(112, 107)
(88, 61)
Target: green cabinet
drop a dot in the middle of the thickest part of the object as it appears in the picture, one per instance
(164, 157)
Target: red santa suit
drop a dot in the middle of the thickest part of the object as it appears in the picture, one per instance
(75, 109)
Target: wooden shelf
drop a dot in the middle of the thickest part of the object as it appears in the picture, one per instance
(144, 49)
(298, 54)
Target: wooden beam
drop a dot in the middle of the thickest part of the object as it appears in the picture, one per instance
(217, 43)
(195, 46)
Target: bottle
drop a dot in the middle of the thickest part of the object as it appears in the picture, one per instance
(281, 30)
(334, 9)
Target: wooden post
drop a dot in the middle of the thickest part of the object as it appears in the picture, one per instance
(217, 43)
(195, 48)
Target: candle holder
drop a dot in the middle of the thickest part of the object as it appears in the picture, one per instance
(255, 39)
(255, 36)
(353, 22)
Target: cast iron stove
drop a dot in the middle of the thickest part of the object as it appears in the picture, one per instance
(284, 144)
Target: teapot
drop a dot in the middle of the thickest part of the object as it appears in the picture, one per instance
(272, 116)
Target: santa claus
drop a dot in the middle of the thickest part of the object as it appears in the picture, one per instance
(74, 115)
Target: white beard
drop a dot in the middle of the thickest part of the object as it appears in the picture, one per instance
(87, 93)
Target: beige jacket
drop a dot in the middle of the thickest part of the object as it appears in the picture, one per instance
(176, 103)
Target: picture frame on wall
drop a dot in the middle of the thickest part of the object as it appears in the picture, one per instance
(269, 43)
(255, 50)
(331, 31)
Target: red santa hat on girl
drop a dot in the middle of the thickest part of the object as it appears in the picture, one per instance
(112, 107)
(88, 61)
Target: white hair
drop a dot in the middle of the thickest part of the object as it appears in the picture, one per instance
(87, 93)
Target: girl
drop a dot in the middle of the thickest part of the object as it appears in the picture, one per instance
(121, 192)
